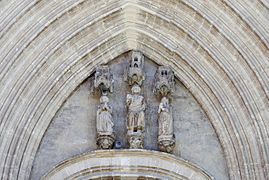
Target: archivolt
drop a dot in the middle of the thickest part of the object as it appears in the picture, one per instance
(43, 62)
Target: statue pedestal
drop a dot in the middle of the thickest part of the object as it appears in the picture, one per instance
(105, 141)
(136, 140)
(166, 143)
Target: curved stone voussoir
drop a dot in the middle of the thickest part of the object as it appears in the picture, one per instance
(126, 163)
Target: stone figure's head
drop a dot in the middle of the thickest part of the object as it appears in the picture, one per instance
(104, 99)
(136, 89)
(165, 100)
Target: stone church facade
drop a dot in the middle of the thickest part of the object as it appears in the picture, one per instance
(134, 89)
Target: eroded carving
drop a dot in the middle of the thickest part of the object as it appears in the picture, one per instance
(103, 80)
(134, 73)
(104, 124)
(166, 138)
(136, 140)
(164, 81)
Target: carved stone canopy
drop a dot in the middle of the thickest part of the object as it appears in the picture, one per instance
(103, 79)
(164, 81)
(134, 73)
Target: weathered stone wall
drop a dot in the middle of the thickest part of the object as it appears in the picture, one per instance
(73, 132)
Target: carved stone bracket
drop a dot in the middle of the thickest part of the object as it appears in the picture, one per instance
(164, 81)
(103, 80)
(134, 73)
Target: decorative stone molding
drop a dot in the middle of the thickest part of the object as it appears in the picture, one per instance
(127, 163)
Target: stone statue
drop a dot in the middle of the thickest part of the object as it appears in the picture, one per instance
(166, 137)
(103, 80)
(165, 118)
(164, 81)
(134, 73)
(136, 110)
(104, 122)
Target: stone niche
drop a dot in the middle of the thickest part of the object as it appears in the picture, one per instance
(72, 131)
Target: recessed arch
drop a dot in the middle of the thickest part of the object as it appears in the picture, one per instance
(46, 114)
(236, 106)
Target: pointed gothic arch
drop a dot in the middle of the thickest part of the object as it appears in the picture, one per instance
(43, 61)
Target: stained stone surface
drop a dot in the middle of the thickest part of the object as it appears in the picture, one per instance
(73, 132)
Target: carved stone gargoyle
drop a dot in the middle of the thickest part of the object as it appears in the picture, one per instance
(134, 73)
(164, 81)
(103, 80)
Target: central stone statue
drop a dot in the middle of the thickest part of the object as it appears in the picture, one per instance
(136, 110)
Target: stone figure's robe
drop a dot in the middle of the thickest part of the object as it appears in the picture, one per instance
(136, 108)
(165, 120)
(104, 120)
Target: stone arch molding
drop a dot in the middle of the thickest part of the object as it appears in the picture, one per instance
(43, 61)
(126, 163)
